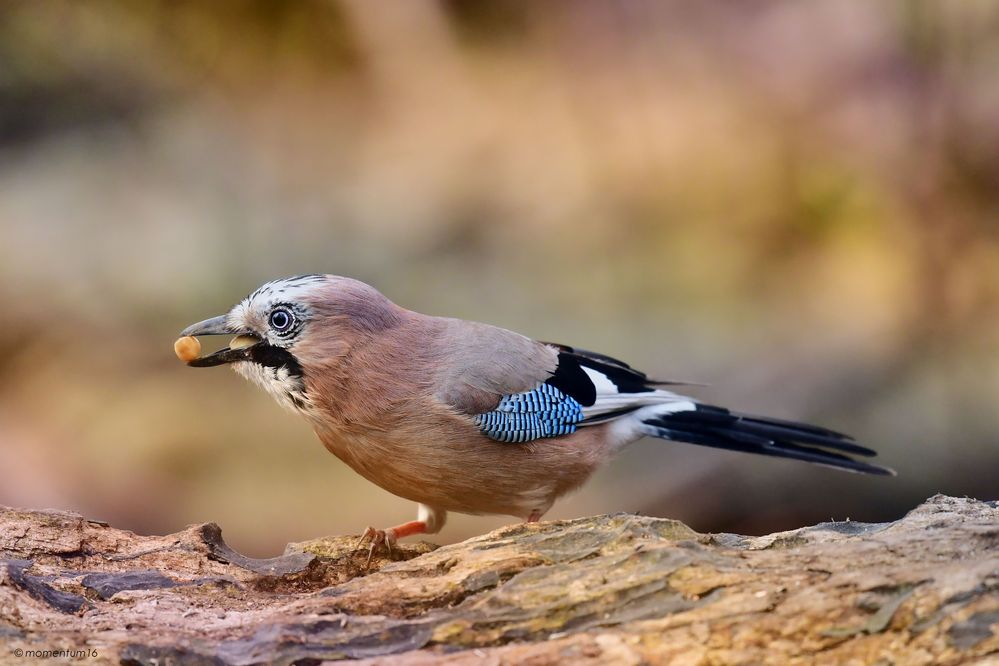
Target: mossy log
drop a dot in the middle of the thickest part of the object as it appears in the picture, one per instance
(608, 589)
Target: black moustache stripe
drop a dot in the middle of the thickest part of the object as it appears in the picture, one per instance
(275, 357)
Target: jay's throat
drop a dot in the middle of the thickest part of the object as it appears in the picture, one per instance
(274, 369)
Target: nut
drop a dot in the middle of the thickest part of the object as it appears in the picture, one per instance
(187, 348)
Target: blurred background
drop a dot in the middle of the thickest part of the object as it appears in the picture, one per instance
(795, 203)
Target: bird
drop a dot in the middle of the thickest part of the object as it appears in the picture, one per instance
(462, 416)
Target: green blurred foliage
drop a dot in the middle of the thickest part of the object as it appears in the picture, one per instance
(794, 202)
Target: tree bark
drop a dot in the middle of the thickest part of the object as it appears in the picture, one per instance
(608, 589)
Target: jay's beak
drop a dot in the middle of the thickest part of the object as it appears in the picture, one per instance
(213, 326)
(241, 347)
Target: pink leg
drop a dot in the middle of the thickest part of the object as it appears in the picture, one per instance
(409, 529)
(534, 517)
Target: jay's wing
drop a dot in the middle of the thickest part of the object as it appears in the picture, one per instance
(477, 365)
(582, 388)
(520, 390)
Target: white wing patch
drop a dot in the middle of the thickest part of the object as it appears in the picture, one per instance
(610, 399)
(600, 381)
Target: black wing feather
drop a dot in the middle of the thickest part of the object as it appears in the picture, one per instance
(569, 374)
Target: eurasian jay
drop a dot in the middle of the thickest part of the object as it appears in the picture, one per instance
(461, 416)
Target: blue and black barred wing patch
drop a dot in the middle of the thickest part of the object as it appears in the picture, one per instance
(543, 412)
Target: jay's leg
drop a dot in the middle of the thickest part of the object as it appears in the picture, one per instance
(429, 520)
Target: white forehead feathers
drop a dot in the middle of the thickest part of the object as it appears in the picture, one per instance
(284, 291)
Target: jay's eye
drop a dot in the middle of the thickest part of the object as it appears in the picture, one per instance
(281, 320)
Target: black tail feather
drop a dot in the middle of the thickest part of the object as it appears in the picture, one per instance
(719, 428)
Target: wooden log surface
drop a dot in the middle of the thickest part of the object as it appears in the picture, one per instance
(621, 589)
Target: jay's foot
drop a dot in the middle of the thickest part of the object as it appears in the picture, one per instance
(377, 538)
(388, 537)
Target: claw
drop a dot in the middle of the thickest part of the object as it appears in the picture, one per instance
(377, 538)
(368, 533)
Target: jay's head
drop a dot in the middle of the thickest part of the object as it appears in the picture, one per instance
(290, 328)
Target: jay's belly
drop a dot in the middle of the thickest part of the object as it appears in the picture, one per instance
(464, 471)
